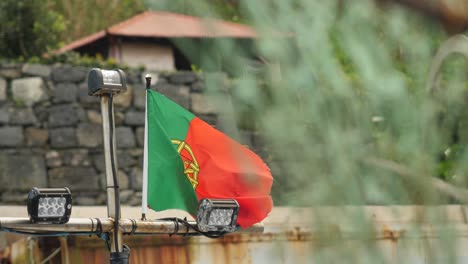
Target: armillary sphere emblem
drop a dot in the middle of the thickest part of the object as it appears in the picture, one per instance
(191, 167)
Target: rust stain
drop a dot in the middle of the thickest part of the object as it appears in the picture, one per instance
(5, 255)
(393, 235)
(233, 248)
(297, 234)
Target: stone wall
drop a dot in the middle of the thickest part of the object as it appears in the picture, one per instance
(51, 135)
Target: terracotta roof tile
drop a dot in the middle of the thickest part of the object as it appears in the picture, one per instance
(168, 25)
(165, 24)
(82, 41)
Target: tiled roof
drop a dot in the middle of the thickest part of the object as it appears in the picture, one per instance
(168, 25)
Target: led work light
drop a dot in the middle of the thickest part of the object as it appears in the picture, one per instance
(49, 205)
(217, 215)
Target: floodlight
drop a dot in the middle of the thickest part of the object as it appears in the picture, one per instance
(106, 82)
(49, 205)
(217, 215)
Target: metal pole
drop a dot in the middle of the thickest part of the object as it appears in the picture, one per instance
(144, 196)
(92, 225)
(106, 225)
(113, 206)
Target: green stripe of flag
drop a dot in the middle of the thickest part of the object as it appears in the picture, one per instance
(168, 187)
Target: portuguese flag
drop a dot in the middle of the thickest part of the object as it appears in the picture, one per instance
(186, 160)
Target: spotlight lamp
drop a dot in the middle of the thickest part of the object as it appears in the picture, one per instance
(217, 215)
(49, 205)
(106, 82)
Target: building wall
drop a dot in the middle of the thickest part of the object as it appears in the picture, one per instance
(154, 57)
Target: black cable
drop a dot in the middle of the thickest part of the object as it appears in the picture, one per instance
(105, 237)
(114, 173)
(134, 227)
(98, 227)
(186, 231)
(100, 234)
(92, 224)
(194, 227)
(176, 228)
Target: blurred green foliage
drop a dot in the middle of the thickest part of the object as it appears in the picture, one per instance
(342, 86)
(75, 58)
(85, 17)
(224, 9)
(28, 28)
(341, 107)
(452, 116)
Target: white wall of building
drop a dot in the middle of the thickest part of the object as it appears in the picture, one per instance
(154, 57)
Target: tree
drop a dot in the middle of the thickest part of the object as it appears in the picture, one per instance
(85, 17)
(223, 9)
(28, 28)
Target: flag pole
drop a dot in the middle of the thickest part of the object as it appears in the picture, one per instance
(144, 195)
